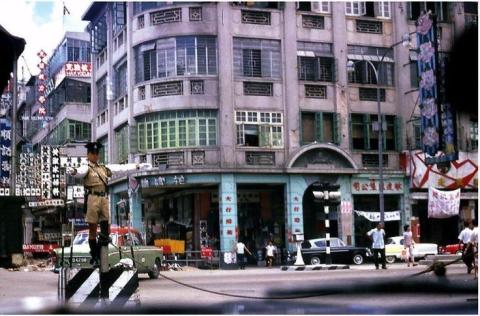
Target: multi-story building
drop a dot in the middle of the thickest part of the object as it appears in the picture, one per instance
(241, 106)
(65, 124)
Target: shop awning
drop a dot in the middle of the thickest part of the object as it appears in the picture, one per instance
(463, 195)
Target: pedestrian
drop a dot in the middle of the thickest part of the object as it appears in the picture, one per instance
(240, 248)
(377, 236)
(463, 241)
(408, 245)
(270, 250)
(474, 245)
(95, 177)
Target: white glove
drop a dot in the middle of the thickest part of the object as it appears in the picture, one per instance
(71, 171)
(144, 166)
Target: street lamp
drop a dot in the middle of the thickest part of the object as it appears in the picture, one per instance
(379, 125)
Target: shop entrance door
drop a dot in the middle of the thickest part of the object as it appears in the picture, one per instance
(261, 217)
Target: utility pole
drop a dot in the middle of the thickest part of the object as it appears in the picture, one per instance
(327, 194)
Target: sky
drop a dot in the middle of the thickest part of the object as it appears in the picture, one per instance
(42, 25)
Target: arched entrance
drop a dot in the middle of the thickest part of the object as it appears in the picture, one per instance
(319, 160)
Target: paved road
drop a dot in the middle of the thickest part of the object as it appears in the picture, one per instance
(259, 282)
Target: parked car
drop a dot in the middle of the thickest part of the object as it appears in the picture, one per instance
(314, 252)
(148, 258)
(394, 247)
(455, 249)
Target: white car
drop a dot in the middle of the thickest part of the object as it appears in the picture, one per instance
(394, 247)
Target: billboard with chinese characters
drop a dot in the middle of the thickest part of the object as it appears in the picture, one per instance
(78, 69)
(5, 156)
(372, 186)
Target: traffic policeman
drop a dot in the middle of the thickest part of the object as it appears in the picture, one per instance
(95, 178)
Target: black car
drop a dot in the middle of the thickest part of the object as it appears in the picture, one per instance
(314, 251)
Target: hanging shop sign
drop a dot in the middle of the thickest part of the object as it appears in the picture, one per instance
(73, 162)
(42, 81)
(372, 186)
(443, 204)
(28, 179)
(375, 216)
(45, 203)
(5, 156)
(5, 102)
(162, 181)
(75, 192)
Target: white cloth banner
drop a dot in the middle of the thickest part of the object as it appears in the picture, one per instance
(375, 216)
(443, 204)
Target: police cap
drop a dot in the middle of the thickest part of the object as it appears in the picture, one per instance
(93, 147)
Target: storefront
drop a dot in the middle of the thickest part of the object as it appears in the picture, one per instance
(365, 191)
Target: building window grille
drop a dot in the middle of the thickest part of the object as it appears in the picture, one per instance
(367, 26)
(316, 68)
(141, 22)
(195, 14)
(167, 88)
(370, 94)
(102, 94)
(255, 17)
(98, 35)
(119, 17)
(371, 160)
(260, 158)
(313, 22)
(258, 88)
(377, 9)
(473, 135)
(315, 91)
(257, 58)
(198, 158)
(120, 77)
(440, 8)
(168, 159)
(166, 16)
(197, 87)
(121, 144)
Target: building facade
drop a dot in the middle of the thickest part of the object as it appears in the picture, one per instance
(241, 106)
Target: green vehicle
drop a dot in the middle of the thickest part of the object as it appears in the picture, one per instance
(148, 259)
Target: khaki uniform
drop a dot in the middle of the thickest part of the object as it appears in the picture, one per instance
(97, 204)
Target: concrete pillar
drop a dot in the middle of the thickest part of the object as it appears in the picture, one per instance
(226, 128)
(340, 52)
(295, 188)
(136, 209)
(227, 197)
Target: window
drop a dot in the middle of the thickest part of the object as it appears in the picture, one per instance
(365, 138)
(252, 63)
(259, 129)
(315, 62)
(98, 35)
(174, 129)
(473, 134)
(119, 16)
(417, 133)
(364, 57)
(321, 127)
(121, 144)
(257, 58)
(355, 8)
(180, 56)
(441, 9)
(102, 94)
(120, 76)
(321, 243)
(69, 131)
(321, 6)
(384, 10)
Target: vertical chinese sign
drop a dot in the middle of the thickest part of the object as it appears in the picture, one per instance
(55, 165)
(5, 156)
(42, 84)
(437, 117)
(45, 154)
(428, 85)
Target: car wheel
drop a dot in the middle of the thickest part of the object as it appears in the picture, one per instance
(358, 258)
(315, 261)
(155, 272)
(390, 259)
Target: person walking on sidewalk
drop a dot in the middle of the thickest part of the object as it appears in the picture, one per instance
(240, 249)
(377, 236)
(464, 240)
(408, 245)
(270, 249)
(474, 245)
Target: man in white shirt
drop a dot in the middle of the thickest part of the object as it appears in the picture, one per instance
(474, 246)
(270, 253)
(377, 236)
(240, 249)
(464, 239)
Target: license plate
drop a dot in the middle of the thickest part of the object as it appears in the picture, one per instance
(79, 259)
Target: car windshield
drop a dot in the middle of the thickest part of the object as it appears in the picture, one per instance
(390, 241)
